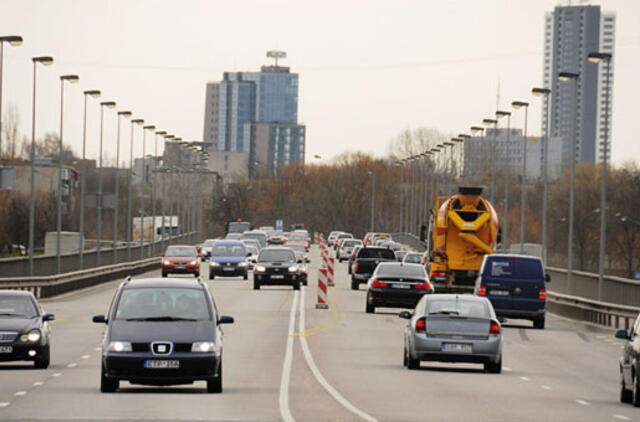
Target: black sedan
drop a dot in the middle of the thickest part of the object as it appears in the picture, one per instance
(397, 285)
(277, 266)
(24, 329)
(162, 332)
(630, 365)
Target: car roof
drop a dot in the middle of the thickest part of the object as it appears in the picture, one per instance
(255, 231)
(276, 248)
(512, 255)
(180, 246)
(9, 292)
(450, 296)
(184, 283)
(230, 242)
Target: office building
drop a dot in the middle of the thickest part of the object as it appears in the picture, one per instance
(274, 145)
(571, 33)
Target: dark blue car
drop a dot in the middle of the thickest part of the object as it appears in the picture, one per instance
(515, 285)
(228, 259)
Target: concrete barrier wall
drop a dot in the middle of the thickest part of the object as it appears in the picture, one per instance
(45, 265)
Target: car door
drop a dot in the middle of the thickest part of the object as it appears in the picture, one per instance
(628, 354)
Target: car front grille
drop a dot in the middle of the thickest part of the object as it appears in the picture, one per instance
(8, 336)
(146, 347)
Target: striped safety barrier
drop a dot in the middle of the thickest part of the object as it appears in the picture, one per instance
(323, 301)
(331, 272)
(325, 256)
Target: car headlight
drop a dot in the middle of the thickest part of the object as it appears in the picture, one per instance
(242, 264)
(32, 336)
(166, 262)
(260, 269)
(119, 346)
(293, 269)
(194, 262)
(203, 346)
(215, 264)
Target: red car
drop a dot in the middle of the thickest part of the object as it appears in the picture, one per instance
(299, 239)
(181, 259)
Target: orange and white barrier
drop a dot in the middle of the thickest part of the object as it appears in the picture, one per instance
(331, 272)
(323, 301)
(324, 252)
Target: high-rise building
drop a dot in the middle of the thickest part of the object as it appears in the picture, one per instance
(577, 108)
(274, 145)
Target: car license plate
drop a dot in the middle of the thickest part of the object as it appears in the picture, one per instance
(162, 364)
(180, 267)
(401, 286)
(499, 292)
(456, 347)
(277, 277)
(229, 269)
(6, 349)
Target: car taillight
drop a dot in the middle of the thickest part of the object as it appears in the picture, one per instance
(423, 286)
(355, 267)
(421, 325)
(494, 328)
(424, 260)
(439, 274)
(482, 290)
(542, 295)
(378, 283)
(342, 248)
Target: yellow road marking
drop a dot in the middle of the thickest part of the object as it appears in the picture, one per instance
(337, 318)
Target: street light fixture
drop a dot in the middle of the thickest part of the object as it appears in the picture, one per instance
(45, 61)
(125, 114)
(505, 238)
(372, 173)
(494, 122)
(71, 79)
(544, 92)
(523, 184)
(130, 190)
(142, 189)
(103, 104)
(13, 40)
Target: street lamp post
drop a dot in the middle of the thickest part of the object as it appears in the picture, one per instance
(164, 188)
(545, 162)
(566, 77)
(523, 183)
(470, 150)
(597, 58)
(505, 232)
(14, 40)
(372, 173)
(493, 122)
(71, 79)
(94, 93)
(108, 104)
(142, 189)
(463, 139)
(156, 160)
(130, 191)
(114, 248)
(45, 61)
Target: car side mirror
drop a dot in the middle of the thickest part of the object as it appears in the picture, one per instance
(299, 261)
(225, 320)
(622, 334)
(547, 277)
(248, 253)
(100, 319)
(253, 261)
(48, 317)
(405, 315)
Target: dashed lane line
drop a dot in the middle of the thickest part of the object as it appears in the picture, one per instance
(525, 378)
(38, 383)
(4, 404)
(506, 368)
(318, 375)
(85, 356)
(546, 387)
(72, 365)
(285, 411)
(57, 374)
(21, 393)
(583, 402)
(621, 417)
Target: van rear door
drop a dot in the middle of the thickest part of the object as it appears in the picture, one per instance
(513, 282)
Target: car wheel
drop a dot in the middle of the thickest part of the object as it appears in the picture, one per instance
(305, 281)
(626, 396)
(635, 397)
(164, 275)
(211, 276)
(354, 284)
(494, 367)
(405, 360)
(107, 385)
(296, 285)
(256, 284)
(42, 362)
(412, 363)
(539, 323)
(214, 385)
(196, 275)
(370, 309)
(245, 276)
(340, 260)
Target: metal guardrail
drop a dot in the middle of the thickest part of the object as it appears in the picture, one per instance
(601, 313)
(48, 286)
(410, 240)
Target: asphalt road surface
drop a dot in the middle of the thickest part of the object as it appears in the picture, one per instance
(286, 360)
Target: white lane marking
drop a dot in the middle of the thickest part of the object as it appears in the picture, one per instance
(525, 378)
(546, 387)
(583, 402)
(600, 336)
(4, 404)
(98, 349)
(72, 365)
(20, 393)
(285, 411)
(86, 356)
(621, 417)
(506, 368)
(38, 383)
(318, 375)
(57, 374)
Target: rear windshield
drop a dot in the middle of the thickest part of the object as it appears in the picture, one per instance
(228, 250)
(276, 256)
(182, 252)
(376, 253)
(513, 268)
(298, 237)
(298, 248)
(239, 227)
(257, 236)
(413, 258)
(162, 303)
(350, 243)
(396, 270)
(460, 307)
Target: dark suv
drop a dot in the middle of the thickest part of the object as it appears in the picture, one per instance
(366, 262)
(162, 332)
(277, 266)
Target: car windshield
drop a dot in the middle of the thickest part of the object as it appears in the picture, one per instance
(376, 253)
(398, 270)
(186, 251)
(276, 256)
(228, 250)
(297, 237)
(17, 306)
(297, 248)
(239, 227)
(412, 258)
(513, 268)
(457, 306)
(162, 304)
(234, 236)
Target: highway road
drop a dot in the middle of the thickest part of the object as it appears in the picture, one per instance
(286, 360)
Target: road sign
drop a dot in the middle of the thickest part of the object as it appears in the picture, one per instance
(279, 225)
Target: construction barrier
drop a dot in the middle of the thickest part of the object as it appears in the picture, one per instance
(323, 302)
(330, 272)
(324, 252)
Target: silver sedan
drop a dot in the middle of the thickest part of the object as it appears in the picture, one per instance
(453, 328)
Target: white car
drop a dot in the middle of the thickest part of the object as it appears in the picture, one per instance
(345, 248)
(205, 249)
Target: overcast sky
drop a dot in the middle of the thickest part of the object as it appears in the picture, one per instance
(368, 69)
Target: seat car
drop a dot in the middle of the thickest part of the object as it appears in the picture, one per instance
(453, 328)
(630, 364)
(180, 259)
(515, 285)
(24, 329)
(205, 249)
(258, 235)
(396, 285)
(277, 265)
(229, 259)
(162, 332)
(400, 255)
(412, 258)
(345, 247)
